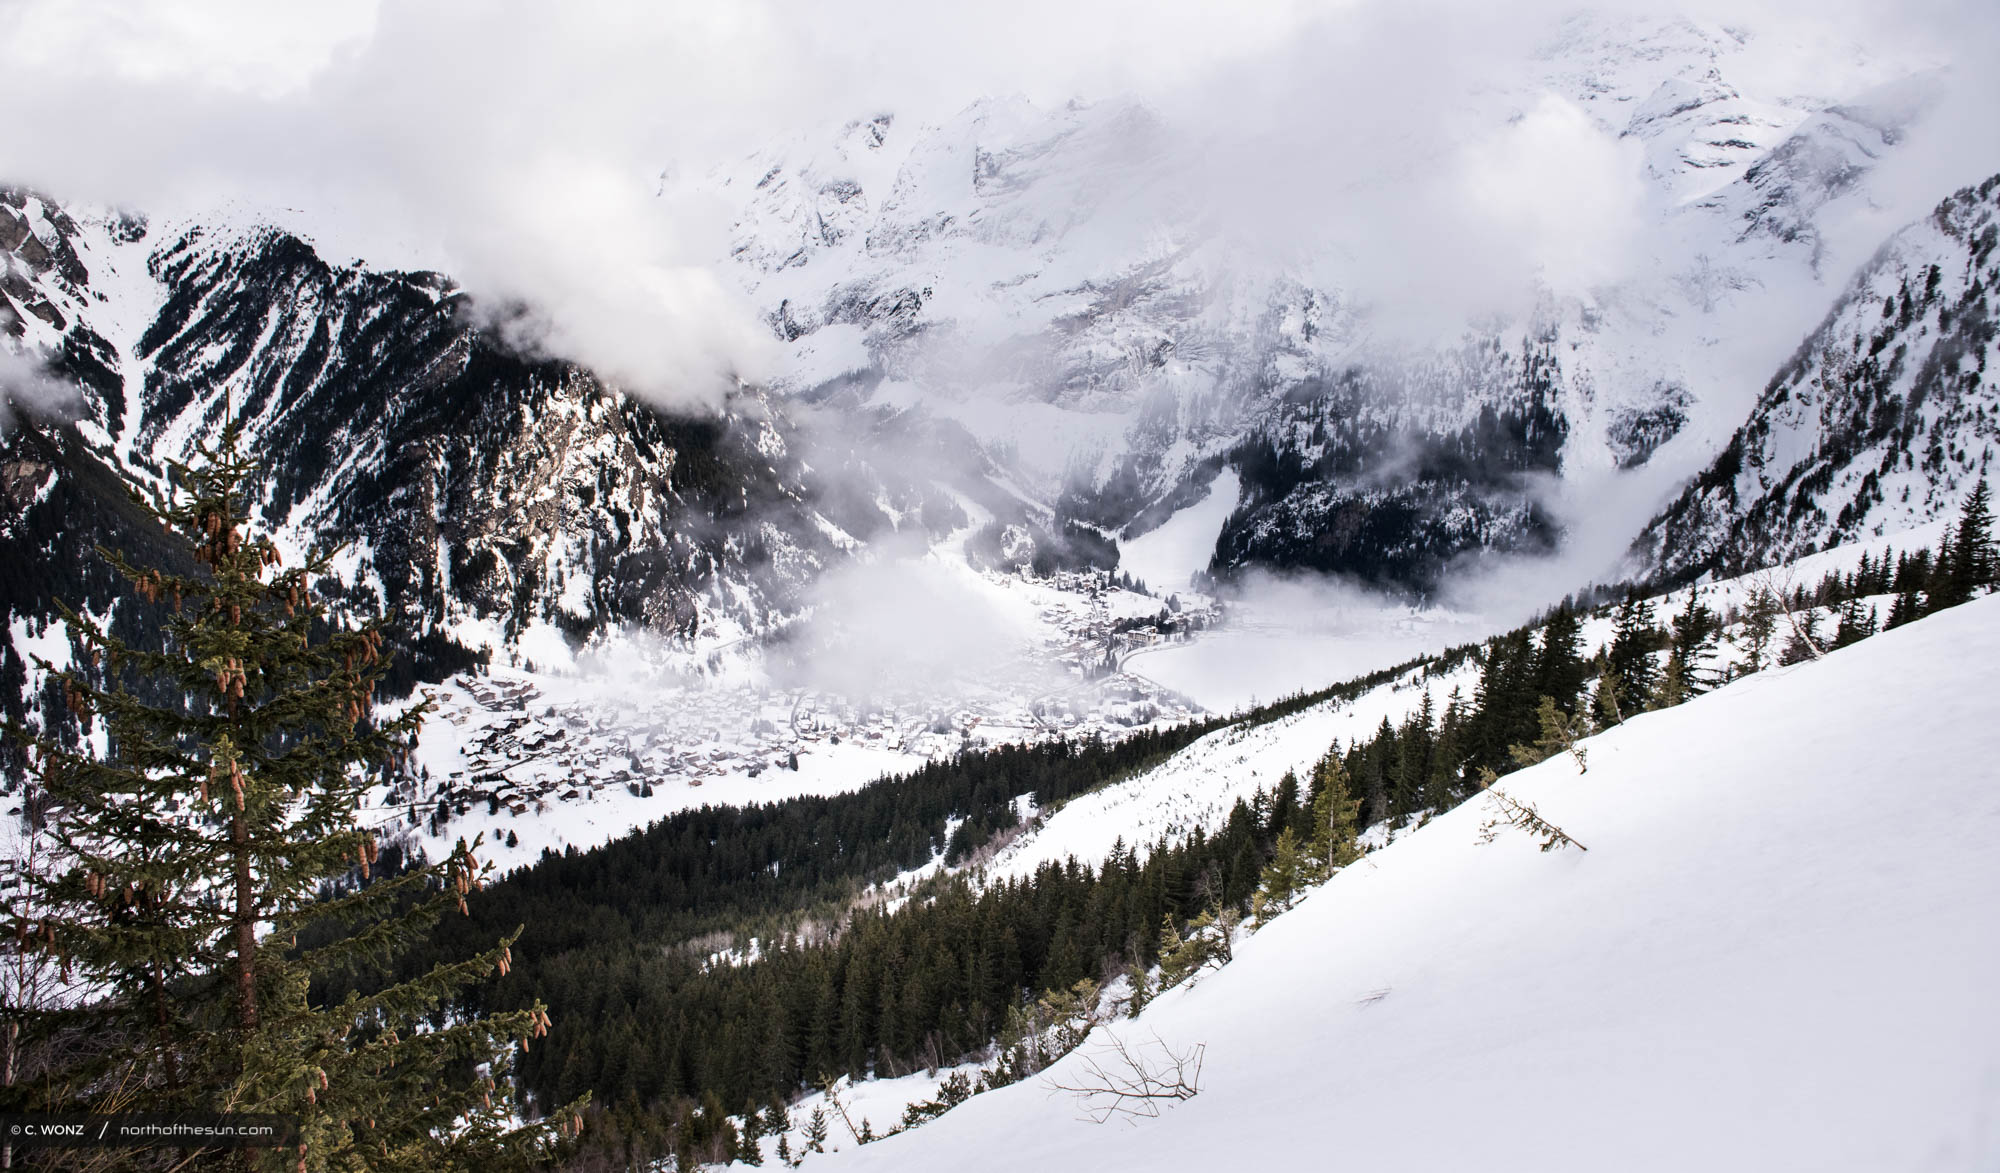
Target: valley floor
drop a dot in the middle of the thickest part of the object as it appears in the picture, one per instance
(1779, 952)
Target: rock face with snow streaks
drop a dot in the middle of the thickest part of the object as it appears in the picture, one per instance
(1882, 420)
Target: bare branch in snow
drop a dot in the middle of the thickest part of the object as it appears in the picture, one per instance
(1121, 1080)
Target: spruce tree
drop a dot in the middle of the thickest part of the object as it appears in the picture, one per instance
(1559, 667)
(1560, 733)
(1913, 573)
(1969, 561)
(1907, 606)
(1760, 623)
(1447, 757)
(1805, 641)
(1857, 623)
(1283, 879)
(1607, 699)
(1142, 989)
(1694, 633)
(1673, 687)
(815, 1131)
(202, 837)
(1633, 641)
(1335, 812)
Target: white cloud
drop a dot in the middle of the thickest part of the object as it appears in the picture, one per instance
(910, 620)
(27, 386)
(519, 144)
(248, 46)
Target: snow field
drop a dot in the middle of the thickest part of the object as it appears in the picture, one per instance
(1777, 953)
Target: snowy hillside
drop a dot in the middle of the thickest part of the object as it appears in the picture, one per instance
(1198, 787)
(1803, 984)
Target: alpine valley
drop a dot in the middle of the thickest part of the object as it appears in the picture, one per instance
(875, 708)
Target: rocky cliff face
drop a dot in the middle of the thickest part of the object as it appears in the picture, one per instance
(1881, 420)
(479, 493)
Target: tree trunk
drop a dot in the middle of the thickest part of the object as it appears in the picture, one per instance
(246, 929)
(7, 1077)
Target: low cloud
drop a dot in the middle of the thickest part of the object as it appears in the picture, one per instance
(27, 387)
(902, 620)
(522, 147)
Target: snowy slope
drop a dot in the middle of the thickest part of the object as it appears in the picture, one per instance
(1778, 953)
(1882, 419)
(1198, 786)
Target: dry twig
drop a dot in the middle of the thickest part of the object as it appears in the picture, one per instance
(1121, 1080)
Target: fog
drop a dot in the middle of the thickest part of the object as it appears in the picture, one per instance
(521, 146)
(27, 387)
(902, 619)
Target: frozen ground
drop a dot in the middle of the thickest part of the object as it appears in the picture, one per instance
(1778, 952)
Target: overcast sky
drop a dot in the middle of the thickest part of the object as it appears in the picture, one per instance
(519, 145)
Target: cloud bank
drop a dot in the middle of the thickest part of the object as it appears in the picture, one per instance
(521, 146)
(27, 387)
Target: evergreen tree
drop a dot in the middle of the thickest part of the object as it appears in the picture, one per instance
(1284, 878)
(1560, 734)
(1968, 562)
(1673, 687)
(1559, 667)
(1633, 641)
(748, 1149)
(1183, 953)
(1142, 988)
(1760, 623)
(1977, 558)
(1805, 641)
(1335, 812)
(1913, 573)
(1856, 623)
(1448, 757)
(1694, 633)
(1415, 742)
(1607, 700)
(204, 839)
(815, 1132)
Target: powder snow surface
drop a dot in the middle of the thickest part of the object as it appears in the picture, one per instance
(1780, 952)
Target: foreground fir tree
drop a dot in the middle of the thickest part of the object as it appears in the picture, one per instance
(198, 839)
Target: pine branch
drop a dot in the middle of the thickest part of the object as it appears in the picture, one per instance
(1518, 813)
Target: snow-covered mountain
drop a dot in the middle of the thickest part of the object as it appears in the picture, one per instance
(1029, 323)
(1052, 282)
(1883, 418)
(483, 494)
(1805, 980)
